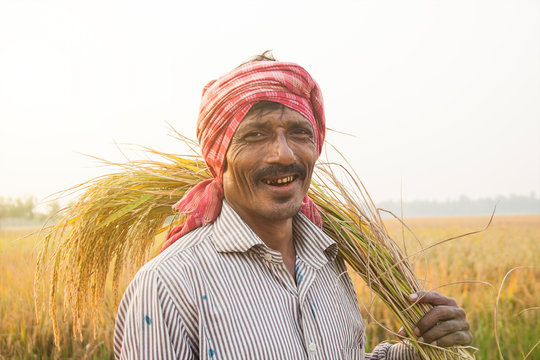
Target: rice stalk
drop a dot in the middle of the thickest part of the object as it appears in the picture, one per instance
(118, 216)
(352, 220)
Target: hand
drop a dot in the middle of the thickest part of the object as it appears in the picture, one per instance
(445, 324)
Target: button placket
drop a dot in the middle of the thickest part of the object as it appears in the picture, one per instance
(309, 321)
(311, 332)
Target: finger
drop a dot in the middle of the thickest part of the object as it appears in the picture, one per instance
(432, 297)
(402, 334)
(463, 338)
(442, 330)
(440, 315)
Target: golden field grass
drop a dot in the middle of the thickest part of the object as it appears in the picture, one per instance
(509, 242)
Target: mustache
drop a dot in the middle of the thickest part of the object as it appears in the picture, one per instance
(279, 170)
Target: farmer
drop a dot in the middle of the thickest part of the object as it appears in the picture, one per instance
(250, 274)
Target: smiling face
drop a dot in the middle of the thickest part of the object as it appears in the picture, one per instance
(269, 164)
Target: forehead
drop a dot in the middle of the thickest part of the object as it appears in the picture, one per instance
(274, 114)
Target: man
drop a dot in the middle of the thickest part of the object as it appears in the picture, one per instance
(250, 274)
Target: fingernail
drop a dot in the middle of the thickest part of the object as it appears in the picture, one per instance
(413, 297)
(417, 331)
(421, 339)
(401, 332)
(434, 343)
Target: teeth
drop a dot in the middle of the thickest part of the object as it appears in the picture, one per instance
(284, 180)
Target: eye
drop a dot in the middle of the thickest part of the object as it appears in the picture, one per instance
(303, 133)
(254, 135)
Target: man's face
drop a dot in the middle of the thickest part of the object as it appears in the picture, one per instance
(269, 164)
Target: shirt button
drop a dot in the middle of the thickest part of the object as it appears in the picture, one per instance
(268, 257)
(312, 347)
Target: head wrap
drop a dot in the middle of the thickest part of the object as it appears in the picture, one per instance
(225, 102)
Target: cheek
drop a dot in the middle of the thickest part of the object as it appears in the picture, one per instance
(308, 155)
(237, 177)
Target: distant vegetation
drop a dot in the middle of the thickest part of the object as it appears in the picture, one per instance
(25, 210)
(464, 206)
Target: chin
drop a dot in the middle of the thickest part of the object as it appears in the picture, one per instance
(282, 211)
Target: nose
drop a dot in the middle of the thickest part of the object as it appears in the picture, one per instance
(280, 151)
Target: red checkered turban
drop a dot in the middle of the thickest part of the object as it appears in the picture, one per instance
(225, 103)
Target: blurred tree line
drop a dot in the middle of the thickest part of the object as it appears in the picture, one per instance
(27, 208)
(465, 206)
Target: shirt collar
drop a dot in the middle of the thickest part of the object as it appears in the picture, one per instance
(313, 246)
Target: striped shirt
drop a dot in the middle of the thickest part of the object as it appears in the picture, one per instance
(221, 293)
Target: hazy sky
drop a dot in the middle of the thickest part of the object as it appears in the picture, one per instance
(442, 96)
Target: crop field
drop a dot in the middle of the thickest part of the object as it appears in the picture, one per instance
(469, 269)
(509, 242)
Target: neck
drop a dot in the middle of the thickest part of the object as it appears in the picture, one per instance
(278, 235)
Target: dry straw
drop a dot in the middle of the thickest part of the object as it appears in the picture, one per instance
(118, 216)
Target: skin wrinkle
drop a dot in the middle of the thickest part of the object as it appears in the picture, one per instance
(270, 144)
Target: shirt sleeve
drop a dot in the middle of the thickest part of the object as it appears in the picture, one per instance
(387, 351)
(148, 324)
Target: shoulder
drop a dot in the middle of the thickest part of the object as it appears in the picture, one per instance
(160, 300)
